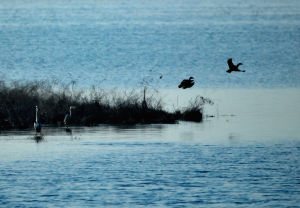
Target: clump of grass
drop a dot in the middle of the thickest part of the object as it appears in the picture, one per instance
(17, 101)
(194, 112)
(94, 106)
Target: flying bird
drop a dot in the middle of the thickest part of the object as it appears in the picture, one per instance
(187, 83)
(37, 125)
(233, 67)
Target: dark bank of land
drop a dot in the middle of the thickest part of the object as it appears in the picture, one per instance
(18, 100)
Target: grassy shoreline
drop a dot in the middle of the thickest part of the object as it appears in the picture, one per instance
(95, 106)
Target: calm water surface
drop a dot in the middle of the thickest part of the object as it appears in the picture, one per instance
(130, 43)
(141, 166)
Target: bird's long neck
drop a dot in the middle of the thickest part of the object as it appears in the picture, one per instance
(144, 93)
(37, 115)
(238, 64)
(70, 111)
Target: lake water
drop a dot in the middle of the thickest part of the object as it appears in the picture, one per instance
(245, 156)
(131, 43)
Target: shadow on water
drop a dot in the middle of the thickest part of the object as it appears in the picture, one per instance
(38, 138)
(137, 126)
(69, 131)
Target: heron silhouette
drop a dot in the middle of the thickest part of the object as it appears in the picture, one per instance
(233, 67)
(68, 117)
(37, 125)
(187, 83)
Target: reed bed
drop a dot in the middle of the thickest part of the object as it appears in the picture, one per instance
(92, 107)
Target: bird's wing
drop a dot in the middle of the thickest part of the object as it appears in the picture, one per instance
(230, 64)
(183, 83)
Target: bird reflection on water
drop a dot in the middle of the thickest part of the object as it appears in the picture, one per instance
(38, 138)
(68, 131)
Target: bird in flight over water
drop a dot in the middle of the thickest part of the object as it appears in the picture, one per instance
(187, 83)
(233, 67)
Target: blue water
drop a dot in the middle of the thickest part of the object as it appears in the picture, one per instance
(131, 43)
(142, 166)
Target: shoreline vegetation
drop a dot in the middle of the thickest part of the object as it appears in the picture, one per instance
(92, 107)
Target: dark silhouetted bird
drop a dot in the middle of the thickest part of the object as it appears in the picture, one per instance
(68, 117)
(187, 83)
(37, 125)
(233, 67)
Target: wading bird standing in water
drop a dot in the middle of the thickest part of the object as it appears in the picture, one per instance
(37, 125)
(68, 118)
(187, 83)
(233, 67)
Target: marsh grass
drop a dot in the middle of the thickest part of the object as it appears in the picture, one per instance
(194, 111)
(93, 106)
